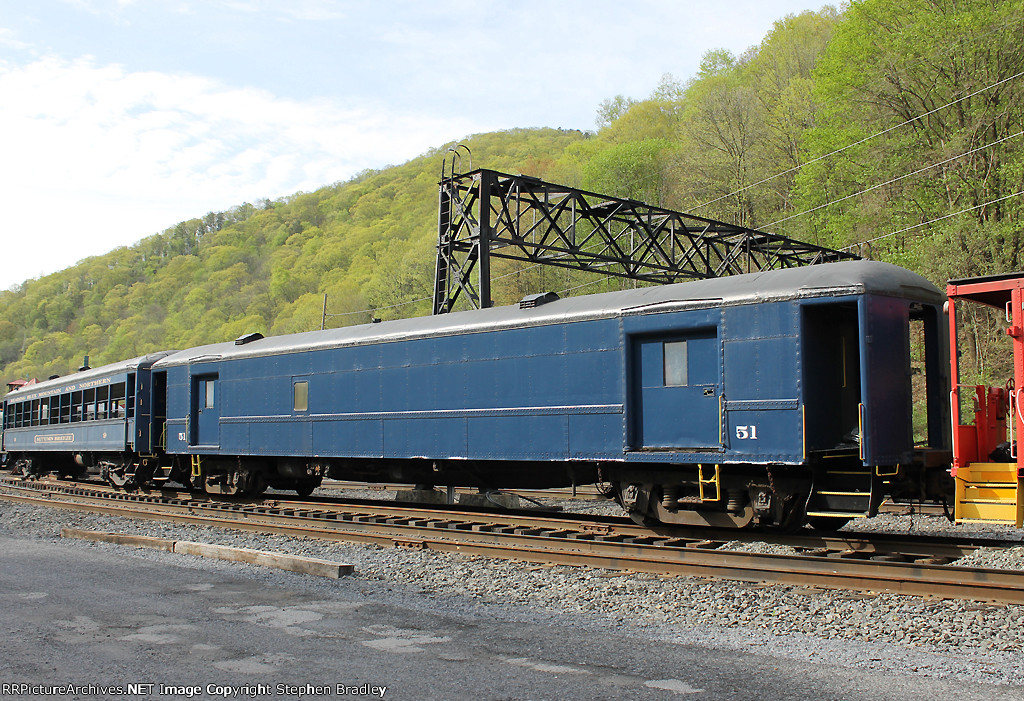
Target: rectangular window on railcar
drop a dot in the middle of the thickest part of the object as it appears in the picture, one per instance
(65, 408)
(300, 396)
(89, 405)
(76, 407)
(117, 405)
(676, 374)
(102, 395)
(130, 401)
(35, 413)
(44, 412)
(209, 396)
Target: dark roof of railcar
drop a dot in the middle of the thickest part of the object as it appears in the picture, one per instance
(121, 366)
(831, 279)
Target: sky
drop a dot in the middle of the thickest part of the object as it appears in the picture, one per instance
(121, 118)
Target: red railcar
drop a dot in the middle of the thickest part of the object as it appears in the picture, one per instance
(988, 466)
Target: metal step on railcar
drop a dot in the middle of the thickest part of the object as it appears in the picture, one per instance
(841, 494)
(989, 493)
(162, 474)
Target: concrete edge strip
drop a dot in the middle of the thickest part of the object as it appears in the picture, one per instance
(139, 541)
(291, 563)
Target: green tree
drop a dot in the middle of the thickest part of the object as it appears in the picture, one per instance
(924, 103)
(367, 243)
(922, 84)
(612, 109)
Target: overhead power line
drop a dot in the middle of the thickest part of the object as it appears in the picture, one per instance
(890, 182)
(932, 221)
(861, 141)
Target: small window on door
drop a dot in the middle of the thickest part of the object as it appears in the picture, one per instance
(675, 363)
(208, 402)
(300, 396)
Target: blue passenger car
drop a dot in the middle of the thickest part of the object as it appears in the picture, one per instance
(98, 417)
(769, 397)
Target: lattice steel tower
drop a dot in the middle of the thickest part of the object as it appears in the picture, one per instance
(484, 213)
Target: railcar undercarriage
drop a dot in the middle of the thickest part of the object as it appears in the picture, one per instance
(826, 494)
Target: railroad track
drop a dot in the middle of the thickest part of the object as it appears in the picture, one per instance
(583, 492)
(916, 566)
(586, 492)
(835, 544)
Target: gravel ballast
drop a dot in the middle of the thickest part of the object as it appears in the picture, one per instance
(899, 634)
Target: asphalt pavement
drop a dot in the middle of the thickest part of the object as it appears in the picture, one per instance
(82, 620)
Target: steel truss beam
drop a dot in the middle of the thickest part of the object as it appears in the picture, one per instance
(484, 213)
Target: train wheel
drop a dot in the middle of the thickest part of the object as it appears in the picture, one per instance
(306, 487)
(241, 483)
(642, 519)
(257, 485)
(635, 501)
(27, 467)
(117, 474)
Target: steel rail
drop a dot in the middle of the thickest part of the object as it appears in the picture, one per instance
(584, 492)
(480, 535)
(588, 492)
(822, 543)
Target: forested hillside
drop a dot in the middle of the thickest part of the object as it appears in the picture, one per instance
(367, 244)
(894, 127)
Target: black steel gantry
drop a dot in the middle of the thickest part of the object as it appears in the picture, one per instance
(484, 213)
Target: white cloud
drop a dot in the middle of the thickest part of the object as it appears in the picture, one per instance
(96, 156)
(98, 152)
(9, 39)
(301, 10)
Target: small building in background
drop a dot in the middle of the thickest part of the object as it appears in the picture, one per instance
(18, 384)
